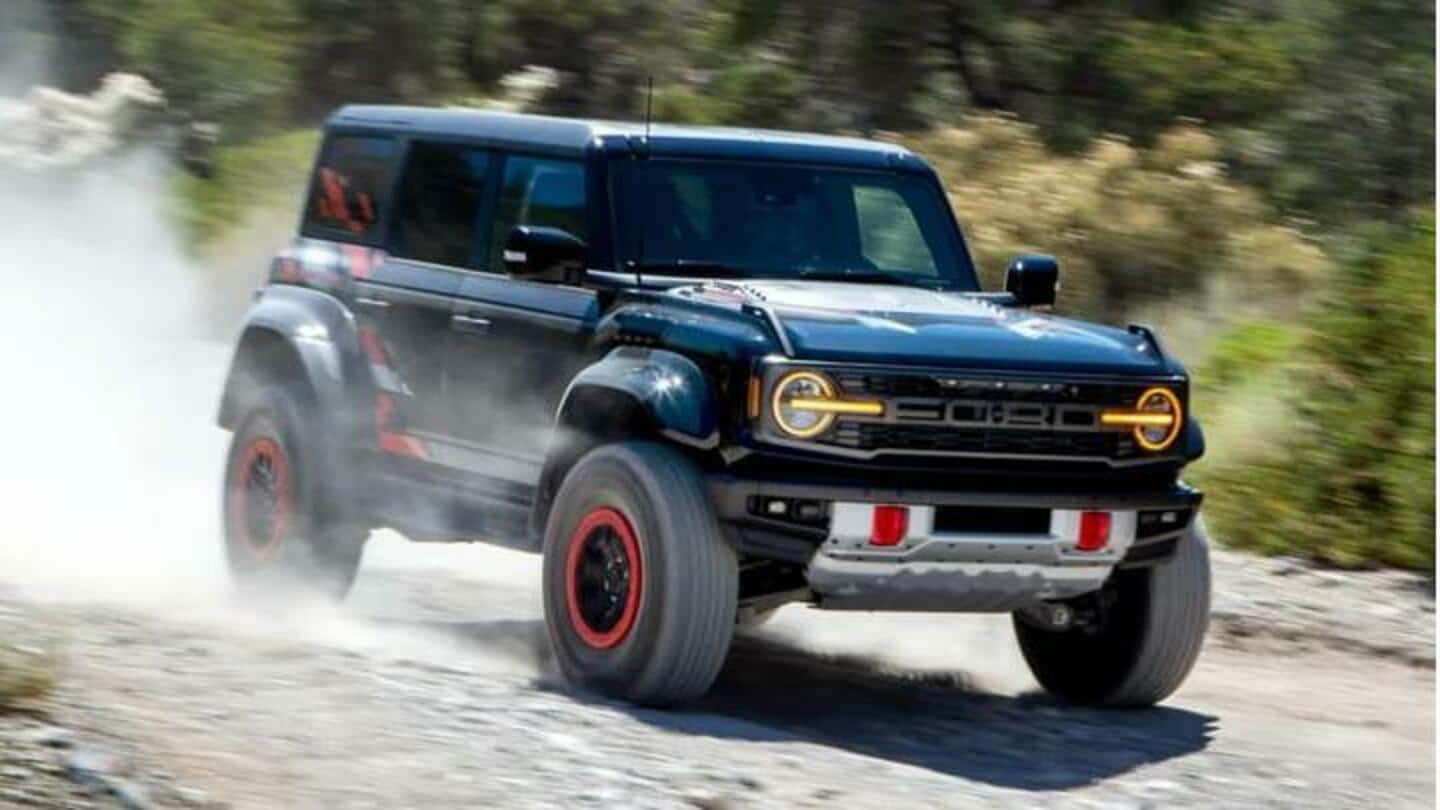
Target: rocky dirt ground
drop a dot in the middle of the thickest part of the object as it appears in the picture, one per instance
(431, 689)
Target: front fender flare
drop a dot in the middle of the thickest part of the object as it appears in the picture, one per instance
(630, 393)
(1192, 442)
(669, 389)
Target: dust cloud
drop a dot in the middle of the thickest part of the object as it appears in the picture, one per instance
(976, 651)
(110, 485)
(113, 357)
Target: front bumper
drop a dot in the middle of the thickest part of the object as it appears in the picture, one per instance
(941, 567)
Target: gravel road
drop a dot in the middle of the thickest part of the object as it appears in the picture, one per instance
(431, 689)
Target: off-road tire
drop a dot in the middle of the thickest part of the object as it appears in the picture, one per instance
(308, 548)
(669, 649)
(1146, 644)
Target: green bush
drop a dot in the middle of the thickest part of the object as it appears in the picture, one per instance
(367, 51)
(1240, 392)
(230, 62)
(1353, 481)
(1248, 350)
(269, 171)
(1235, 68)
(1130, 226)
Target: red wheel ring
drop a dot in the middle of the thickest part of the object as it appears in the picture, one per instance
(260, 495)
(604, 578)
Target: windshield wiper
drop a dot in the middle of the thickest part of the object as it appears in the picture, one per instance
(689, 267)
(863, 276)
(703, 268)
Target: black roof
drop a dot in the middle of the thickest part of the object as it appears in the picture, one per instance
(577, 135)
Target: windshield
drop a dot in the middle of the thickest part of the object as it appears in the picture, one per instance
(754, 220)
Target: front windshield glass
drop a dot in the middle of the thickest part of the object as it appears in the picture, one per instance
(729, 219)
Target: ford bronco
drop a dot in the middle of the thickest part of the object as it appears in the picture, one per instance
(706, 372)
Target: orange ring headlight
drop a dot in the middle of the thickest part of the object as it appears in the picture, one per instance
(1155, 421)
(806, 386)
(805, 404)
(1157, 433)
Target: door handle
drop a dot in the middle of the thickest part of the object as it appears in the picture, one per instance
(470, 324)
(372, 303)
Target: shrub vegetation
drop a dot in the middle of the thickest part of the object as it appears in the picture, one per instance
(1351, 479)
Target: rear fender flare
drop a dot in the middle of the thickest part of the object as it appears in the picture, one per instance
(312, 341)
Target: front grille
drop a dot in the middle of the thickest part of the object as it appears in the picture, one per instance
(974, 413)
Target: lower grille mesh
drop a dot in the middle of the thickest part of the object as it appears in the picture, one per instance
(931, 438)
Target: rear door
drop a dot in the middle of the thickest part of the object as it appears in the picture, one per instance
(521, 342)
(404, 304)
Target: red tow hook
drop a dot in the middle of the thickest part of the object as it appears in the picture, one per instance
(888, 525)
(1094, 531)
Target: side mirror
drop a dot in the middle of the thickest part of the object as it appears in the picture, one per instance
(1033, 280)
(537, 253)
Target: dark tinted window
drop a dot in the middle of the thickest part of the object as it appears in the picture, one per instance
(540, 191)
(438, 210)
(350, 185)
(771, 220)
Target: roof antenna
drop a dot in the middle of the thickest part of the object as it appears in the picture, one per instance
(649, 100)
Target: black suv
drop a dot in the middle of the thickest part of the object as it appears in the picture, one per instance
(706, 372)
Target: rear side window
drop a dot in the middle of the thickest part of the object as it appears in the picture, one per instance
(350, 184)
(539, 191)
(438, 208)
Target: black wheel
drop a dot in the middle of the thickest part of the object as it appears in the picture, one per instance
(283, 529)
(1148, 627)
(640, 585)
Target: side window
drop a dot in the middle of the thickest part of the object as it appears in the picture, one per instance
(889, 235)
(696, 205)
(539, 191)
(350, 184)
(438, 209)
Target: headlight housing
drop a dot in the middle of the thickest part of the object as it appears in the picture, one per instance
(804, 404)
(1155, 421)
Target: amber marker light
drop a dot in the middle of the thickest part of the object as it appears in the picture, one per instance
(753, 397)
(1155, 419)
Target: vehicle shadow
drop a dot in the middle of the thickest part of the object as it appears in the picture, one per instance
(772, 691)
(933, 721)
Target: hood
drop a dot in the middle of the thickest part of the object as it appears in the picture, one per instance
(871, 323)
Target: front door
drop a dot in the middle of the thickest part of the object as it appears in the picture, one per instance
(510, 377)
(520, 342)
